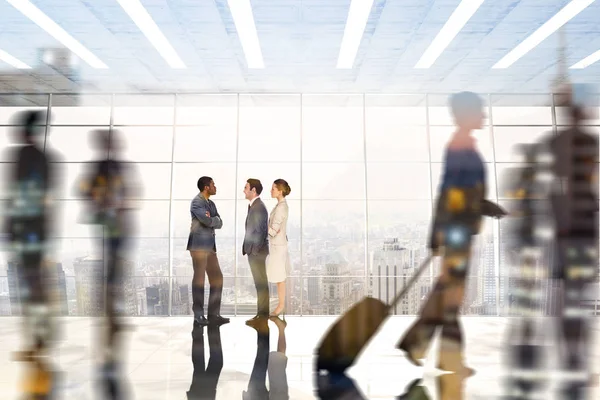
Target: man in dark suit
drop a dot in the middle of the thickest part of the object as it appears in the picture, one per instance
(256, 246)
(203, 249)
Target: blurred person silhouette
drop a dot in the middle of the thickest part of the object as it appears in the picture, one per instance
(278, 264)
(574, 204)
(527, 275)
(33, 180)
(203, 250)
(557, 198)
(256, 246)
(460, 207)
(110, 187)
(278, 383)
(206, 376)
(257, 388)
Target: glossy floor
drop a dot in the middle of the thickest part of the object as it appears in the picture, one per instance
(159, 359)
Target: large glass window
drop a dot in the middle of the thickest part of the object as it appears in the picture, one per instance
(364, 172)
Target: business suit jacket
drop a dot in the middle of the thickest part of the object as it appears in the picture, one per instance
(256, 239)
(202, 230)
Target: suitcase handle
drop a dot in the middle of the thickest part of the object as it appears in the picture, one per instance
(412, 280)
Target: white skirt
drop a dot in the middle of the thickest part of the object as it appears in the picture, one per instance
(278, 263)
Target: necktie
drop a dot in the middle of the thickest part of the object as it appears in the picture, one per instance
(248, 207)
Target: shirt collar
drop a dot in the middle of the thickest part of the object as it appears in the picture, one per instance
(253, 200)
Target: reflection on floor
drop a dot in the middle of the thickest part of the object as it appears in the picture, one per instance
(160, 352)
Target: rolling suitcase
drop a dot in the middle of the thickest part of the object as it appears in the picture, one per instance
(350, 334)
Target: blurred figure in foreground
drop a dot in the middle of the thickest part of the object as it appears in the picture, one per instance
(109, 189)
(460, 207)
(567, 164)
(29, 228)
(206, 376)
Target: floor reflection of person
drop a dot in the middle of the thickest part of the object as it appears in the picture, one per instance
(460, 207)
(206, 376)
(278, 384)
(257, 388)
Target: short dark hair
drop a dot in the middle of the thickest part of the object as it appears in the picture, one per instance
(283, 186)
(203, 182)
(465, 103)
(255, 184)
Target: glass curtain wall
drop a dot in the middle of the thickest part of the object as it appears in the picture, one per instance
(364, 172)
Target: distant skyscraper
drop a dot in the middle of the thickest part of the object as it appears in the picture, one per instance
(152, 299)
(89, 277)
(391, 268)
(336, 286)
(54, 278)
(314, 288)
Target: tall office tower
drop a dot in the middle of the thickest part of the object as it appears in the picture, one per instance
(391, 268)
(5, 304)
(89, 283)
(14, 288)
(313, 286)
(55, 279)
(158, 298)
(336, 286)
(489, 275)
(181, 300)
(152, 299)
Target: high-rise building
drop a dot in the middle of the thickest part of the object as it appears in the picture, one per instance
(313, 288)
(336, 286)
(391, 267)
(89, 278)
(54, 278)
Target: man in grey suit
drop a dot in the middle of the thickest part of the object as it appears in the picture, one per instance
(203, 249)
(256, 246)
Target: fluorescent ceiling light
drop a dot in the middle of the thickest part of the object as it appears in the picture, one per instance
(10, 60)
(552, 25)
(461, 15)
(44, 22)
(586, 62)
(241, 11)
(353, 33)
(144, 21)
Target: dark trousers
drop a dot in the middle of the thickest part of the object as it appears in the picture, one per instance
(259, 273)
(442, 309)
(205, 262)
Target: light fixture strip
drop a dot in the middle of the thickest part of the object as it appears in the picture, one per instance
(567, 13)
(12, 61)
(586, 62)
(58, 33)
(144, 21)
(241, 11)
(358, 15)
(459, 18)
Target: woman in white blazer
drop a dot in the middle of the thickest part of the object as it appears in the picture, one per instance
(278, 262)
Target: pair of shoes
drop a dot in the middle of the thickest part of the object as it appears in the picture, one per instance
(409, 354)
(217, 320)
(200, 320)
